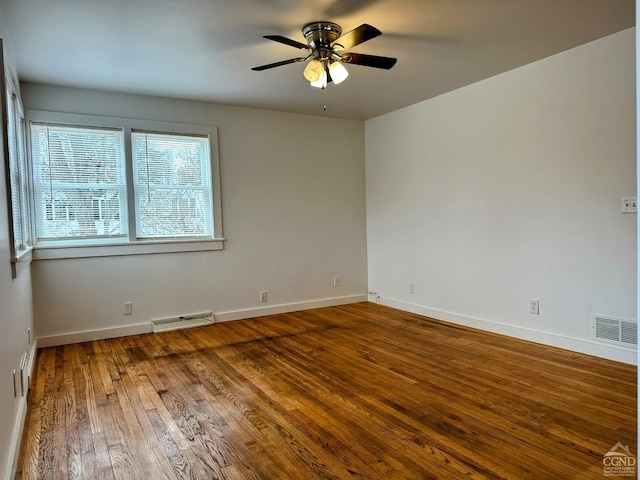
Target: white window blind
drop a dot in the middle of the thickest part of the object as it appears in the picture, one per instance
(23, 175)
(79, 182)
(172, 183)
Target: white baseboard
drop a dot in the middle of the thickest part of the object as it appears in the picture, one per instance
(588, 347)
(90, 335)
(18, 426)
(287, 308)
(104, 333)
(611, 352)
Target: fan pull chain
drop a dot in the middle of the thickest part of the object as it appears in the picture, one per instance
(324, 99)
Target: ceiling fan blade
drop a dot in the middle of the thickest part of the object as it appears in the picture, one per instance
(279, 64)
(368, 60)
(287, 41)
(356, 36)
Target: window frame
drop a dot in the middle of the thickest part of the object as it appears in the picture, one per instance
(131, 245)
(65, 210)
(139, 188)
(16, 164)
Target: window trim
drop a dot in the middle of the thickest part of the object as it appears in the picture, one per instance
(140, 188)
(18, 257)
(132, 245)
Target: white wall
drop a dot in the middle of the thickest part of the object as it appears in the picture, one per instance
(293, 199)
(17, 316)
(510, 189)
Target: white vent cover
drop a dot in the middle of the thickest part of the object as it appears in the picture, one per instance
(183, 321)
(617, 331)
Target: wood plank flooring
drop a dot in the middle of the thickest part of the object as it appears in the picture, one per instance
(359, 391)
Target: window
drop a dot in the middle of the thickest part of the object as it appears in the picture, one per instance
(72, 166)
(113, 183)
(173, 195)
(18, 186)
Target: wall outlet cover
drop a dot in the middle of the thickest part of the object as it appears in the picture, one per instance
(534, 306)
(629, 205)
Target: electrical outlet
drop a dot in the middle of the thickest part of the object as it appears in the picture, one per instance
(534, 306)
(629, 205)
(128, 308)
(412, 288)
(337, 281)
(263, 296)
(23, 375)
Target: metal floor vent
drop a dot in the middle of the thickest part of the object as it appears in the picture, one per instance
(616, 331)
(184, 321)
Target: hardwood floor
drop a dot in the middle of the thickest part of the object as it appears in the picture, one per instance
(357, 391)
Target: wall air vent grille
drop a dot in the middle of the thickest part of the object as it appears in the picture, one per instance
(616, 331)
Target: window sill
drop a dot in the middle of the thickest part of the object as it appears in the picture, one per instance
(138, 248)
(21, 261)
(23, 256)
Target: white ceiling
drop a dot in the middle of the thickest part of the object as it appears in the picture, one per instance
(204, 49)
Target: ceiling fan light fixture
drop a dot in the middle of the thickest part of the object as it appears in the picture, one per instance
(338, 73)
(313, 71)
(328, 50)
(322, 81)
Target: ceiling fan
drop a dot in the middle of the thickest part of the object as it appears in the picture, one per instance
(328, 51)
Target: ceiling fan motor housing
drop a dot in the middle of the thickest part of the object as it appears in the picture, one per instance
(320, 35)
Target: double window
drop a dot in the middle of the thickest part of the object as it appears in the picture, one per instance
(111, 183)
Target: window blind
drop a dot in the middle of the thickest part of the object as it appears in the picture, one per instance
(172, 183)
(25, 216)
(15, 166)
(79, 182)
